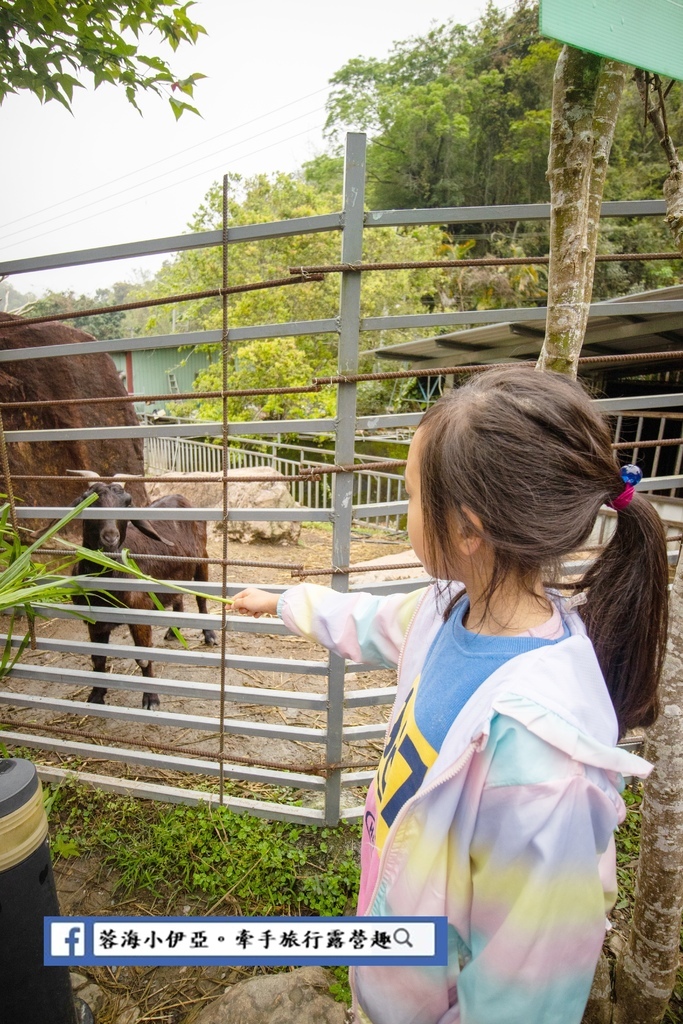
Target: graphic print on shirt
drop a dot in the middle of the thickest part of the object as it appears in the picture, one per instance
(406, 759)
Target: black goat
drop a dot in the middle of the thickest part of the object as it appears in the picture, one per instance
(178, 537)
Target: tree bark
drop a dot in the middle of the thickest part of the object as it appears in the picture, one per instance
(600, 1006)
(646, 970)
(586, 95)
(673, 186)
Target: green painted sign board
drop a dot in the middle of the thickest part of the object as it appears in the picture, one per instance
(645, 33)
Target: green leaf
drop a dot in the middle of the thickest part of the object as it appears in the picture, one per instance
(40, 37)
(64, 847)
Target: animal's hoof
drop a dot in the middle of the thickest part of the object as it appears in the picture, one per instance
(96, 697)
(210, 638)
(150, 701)
(169, 635)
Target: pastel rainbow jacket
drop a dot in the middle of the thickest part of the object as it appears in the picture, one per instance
(510, 835)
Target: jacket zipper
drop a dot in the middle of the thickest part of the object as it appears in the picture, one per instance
(462, 761)
(454, 770)
(449, 774)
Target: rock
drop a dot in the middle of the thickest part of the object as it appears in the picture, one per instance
(131, 1015)
(93, 374)
(273, 493)
(88, 991)
(297, 997)
(94, 996)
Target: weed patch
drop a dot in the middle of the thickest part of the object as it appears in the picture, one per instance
(226, 862)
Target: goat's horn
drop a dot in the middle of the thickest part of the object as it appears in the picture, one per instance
(90, 473)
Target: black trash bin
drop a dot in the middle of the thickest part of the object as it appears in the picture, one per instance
(30, 993)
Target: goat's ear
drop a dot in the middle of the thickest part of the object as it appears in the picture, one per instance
(146, 527)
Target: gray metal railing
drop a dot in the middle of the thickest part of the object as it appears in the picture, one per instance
(328, 707)
(179, 455)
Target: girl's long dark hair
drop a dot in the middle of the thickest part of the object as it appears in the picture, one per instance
(531, 457)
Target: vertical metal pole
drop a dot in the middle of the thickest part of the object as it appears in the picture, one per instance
(342, 498)
(225, 466)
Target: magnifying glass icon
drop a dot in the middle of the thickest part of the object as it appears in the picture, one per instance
(404, 939)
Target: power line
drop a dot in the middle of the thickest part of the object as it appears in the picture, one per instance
(156, 177)
(172, 156)
(210, 170)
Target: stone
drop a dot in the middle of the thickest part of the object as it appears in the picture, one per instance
(88, 991)
(296, 997)
(93, 374)
(272, 493)
(131, 1015)
(94, 996)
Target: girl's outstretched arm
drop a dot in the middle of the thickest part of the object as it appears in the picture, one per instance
(361, 627)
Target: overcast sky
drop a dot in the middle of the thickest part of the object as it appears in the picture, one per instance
(105, 174)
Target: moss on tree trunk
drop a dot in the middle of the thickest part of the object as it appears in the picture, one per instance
(586, 95)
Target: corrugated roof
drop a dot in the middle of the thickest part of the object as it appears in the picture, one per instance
(605, 335)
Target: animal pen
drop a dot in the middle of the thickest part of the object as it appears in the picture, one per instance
(343, 764)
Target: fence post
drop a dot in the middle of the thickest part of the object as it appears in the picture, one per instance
(342, 494)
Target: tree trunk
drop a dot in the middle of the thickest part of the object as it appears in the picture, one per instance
(673, 186)
(586, 94)
(600, 1006)
(646, 970)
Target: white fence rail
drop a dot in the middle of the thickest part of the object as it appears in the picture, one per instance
(179, 455)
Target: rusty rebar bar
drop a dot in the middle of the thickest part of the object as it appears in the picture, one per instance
(307, 473)
(320, 382)
(208, 755)
(121, 307)
(482, 261)
(165, 397)
(179, 559)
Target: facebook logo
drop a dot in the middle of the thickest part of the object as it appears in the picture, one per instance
(67, 939)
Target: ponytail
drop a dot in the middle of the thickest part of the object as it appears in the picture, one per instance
(626, 612)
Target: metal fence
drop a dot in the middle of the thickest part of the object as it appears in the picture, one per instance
(324, 716)
(178, 455)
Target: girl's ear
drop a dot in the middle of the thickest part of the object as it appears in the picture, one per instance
(470, 536)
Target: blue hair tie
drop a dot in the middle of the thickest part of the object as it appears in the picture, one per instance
(631, 475)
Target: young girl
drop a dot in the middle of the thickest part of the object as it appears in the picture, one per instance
(497, 793)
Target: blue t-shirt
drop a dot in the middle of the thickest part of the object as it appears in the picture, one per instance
(457, 663)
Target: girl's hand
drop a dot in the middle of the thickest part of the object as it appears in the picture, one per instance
(255, 602)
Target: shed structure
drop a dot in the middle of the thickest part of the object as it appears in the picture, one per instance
(656, 328)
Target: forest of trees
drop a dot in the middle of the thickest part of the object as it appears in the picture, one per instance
(459, 116)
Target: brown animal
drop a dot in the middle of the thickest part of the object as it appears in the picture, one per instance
(177, 537)
(92, 375)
